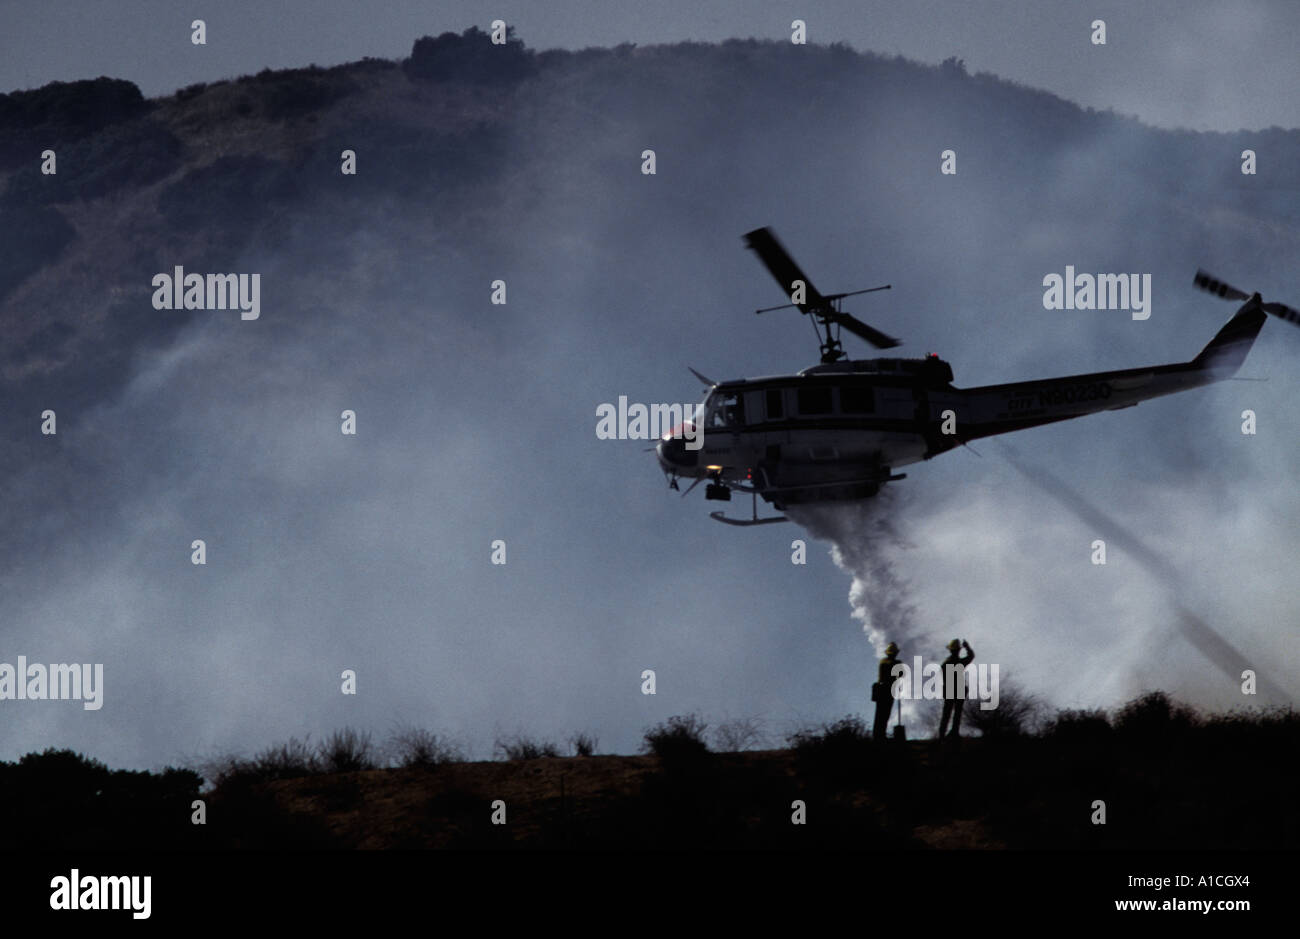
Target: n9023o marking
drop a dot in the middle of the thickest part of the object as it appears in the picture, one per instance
(1093, 391)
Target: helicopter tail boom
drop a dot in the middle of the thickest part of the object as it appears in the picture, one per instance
(999, 409)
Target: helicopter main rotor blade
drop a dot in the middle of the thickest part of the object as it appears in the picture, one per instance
(708, 382)
(862, 330)
(782, 267)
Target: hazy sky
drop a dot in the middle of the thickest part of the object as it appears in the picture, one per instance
(1202, 64)
(477, 422)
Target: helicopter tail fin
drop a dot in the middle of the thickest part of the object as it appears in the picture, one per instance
(1227, 350)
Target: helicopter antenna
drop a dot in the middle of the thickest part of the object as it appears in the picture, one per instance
(825, 309)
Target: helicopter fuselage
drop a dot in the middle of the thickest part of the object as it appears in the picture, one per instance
(839, 430)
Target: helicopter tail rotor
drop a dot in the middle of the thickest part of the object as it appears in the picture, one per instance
(1217, 287)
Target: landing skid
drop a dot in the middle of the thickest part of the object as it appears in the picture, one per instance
(746, 522)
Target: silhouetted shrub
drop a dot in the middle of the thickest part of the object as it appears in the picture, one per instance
(953, 67)
(847, 735)
(469, 57)
(520, 747)
(346, 751)
(61, 799)
(583, 744)
(1018, 713)
(1154, 717)
(1079, 726)
(287, 760)
(290, 760)
(416, 748)
(63, 769)
(59, 113)
(89, 103)
(737, 734)
(678, 740)
(840, 751)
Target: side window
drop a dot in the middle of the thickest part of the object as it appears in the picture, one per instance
(815, 400)
(775, 404)
(857, 400)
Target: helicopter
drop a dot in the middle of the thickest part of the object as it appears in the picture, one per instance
(839, 430)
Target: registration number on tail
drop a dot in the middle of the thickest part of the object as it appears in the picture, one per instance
(1074, 394)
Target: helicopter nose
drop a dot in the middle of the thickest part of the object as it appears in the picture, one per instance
(672, 452)
(661, 452)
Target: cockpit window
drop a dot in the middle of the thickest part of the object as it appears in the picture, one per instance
(727, 410)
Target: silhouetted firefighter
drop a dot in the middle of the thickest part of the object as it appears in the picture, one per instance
(954, 685)
(882, 692)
